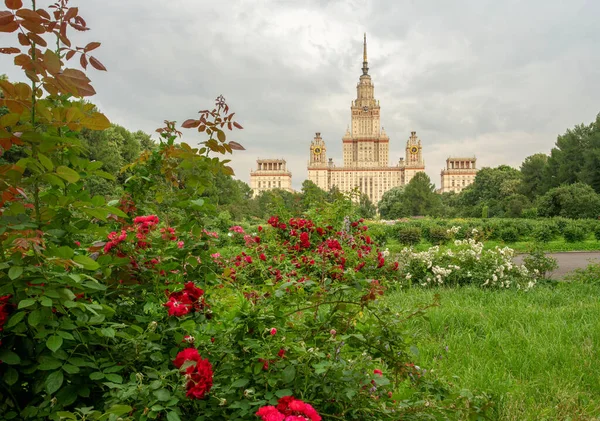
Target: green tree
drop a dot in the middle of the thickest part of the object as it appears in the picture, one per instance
(533, 173)
(366, 208)
(576, 200)
(420, 196)
(572, 158)
(491, 188)
(312, 195)
(391, 205)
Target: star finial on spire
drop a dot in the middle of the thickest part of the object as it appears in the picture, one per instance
(365, 67)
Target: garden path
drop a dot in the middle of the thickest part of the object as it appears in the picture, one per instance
(568, 261)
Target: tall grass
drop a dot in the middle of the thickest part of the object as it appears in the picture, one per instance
(536, 352)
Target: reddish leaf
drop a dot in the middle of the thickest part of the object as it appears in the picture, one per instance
(237, 125)
(22, 60)
(70, 54)
(51, 62)
(83, 61)
(6, 17)
(34, 27)
(23, 40)
(11, 27)
(30, 15)
(97, 65)
(236, 146)
(37, 39)
(71, 13)
(43, 13)
(9, 50)
(13, 4)
(63, 39)
(79, 27)
(190, 123)
(92, 46)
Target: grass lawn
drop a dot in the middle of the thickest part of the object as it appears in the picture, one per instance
(536, 352)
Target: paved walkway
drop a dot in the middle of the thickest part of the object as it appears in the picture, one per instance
(569, 261)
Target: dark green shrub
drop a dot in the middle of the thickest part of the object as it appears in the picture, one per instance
(543, 233)
(378, 233)
(409, 235)
(574, 232)
(509, 234)
(438, 235)
(597, 232)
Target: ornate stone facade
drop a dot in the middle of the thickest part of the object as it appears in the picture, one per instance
(458, 174)
(365, 150)
(270, 174)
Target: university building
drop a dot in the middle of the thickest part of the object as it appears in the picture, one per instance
(270, 174)
(365, 150)
(458, 174)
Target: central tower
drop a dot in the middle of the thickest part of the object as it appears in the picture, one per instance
(365, 143)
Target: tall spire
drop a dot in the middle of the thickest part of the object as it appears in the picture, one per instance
(365, 67)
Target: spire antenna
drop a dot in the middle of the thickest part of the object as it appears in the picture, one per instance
(365, 67)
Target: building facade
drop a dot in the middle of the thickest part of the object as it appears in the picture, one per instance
(365, 150)
(458, 174)
(270, 174)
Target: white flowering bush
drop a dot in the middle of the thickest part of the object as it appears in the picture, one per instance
(466, 264)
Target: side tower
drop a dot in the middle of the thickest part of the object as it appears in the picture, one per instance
(414, 162)
(458, 174)
(270, 174)
(318, 167)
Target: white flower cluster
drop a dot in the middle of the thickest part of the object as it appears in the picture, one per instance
(453, 230)
(466, 263)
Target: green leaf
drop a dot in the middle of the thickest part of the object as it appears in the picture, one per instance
(66, 415)
(9, 357)
(54, 343)
(87, 262)
(115, 378)
(240, 383)
(54, 381)
(48, 363)
(107, 332)
(97, 375)
(35, 317)
(119, 410)
(11, 376)
(14, 319)
(64, 252)
(104, 174)
(26, 303)
(14, 272)
(71, 369)
(283, 392)
(54, 180)
(173, 416)
(46, 162)
(162, 395)
(46, 302)
(289, 373)
(67, 174)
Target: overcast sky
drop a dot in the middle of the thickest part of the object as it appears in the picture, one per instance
(495, 79)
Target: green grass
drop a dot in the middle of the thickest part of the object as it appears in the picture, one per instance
(536, 352)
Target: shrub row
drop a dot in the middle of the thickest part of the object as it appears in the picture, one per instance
(438, 231)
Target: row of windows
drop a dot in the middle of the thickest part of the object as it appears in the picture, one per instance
(267, 184)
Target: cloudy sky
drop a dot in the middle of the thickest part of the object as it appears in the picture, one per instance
(495, 79)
